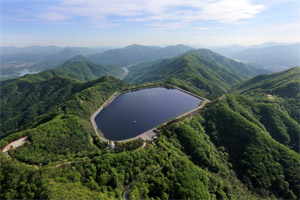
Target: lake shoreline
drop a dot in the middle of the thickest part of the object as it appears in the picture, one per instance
(149, 134)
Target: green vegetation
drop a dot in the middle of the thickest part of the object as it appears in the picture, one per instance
(82, 70)
(283, 88)
(285, 84)
(202, 69)
(258, 160)
(238, 147)
(26, 98)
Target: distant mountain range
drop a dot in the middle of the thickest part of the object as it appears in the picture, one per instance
(272, 56)
(36, 58)
(40, 54)
(135, 54)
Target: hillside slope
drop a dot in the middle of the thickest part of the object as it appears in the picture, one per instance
(281, 87)
(285, 84)
(26, 98)
(259, 160)
(220, 153)
(202, 69)
(83, 71)
(237, 147)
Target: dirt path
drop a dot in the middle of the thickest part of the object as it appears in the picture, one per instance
(15, 144)
(270, 96)
(126, 191)
(222, 97)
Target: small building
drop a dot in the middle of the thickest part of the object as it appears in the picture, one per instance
(111, 145)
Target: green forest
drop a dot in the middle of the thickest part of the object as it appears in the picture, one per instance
(242, 146)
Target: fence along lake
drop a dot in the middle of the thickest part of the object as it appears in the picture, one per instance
(135, 112)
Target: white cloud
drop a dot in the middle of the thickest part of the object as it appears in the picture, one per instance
(230, 10)
(208, 28)
(286, 27)
(172, 13)
(53, 16)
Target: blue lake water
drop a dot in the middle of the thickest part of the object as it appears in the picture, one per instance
(148, 107)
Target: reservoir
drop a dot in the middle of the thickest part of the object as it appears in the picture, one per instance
(135, 112)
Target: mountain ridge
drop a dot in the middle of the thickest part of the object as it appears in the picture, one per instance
(202, 68)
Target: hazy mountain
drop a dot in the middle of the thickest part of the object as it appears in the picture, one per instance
(79, 58)
(124, 56)
(201, 68)
(38, 58)
(48, 50)
(69, 52)
(31, 50)
(135, 54)
(274, 58)
(168, 52)
(266, 44)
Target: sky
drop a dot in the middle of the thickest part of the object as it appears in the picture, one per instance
(94, 23)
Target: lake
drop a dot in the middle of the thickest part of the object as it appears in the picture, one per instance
(135, 112)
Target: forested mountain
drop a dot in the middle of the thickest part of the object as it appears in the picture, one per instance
(23, 99)
(225, 151)
(235, 124)
(135, 54)
(201, 68)
(281, 87)
(239, 146)
(284, 84)
(82, 71)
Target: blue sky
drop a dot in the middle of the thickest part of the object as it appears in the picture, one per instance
(95, 23)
